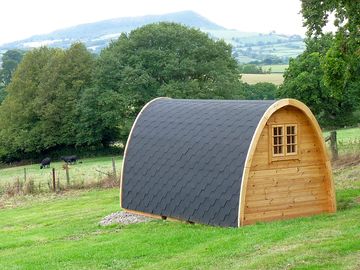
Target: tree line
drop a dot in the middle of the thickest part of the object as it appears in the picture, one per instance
(72, 98)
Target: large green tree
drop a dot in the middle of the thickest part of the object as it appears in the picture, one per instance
(304, 80)
(62, 84)
(327, 75)
(41, 109)
(162, 59)
(341, 62)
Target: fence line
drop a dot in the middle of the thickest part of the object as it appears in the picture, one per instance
(35, 181)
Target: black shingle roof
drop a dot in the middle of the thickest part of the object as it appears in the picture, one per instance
(185, 158)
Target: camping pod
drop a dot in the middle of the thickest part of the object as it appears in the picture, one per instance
(226, 162)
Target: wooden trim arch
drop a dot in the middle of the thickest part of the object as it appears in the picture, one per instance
(249, 157)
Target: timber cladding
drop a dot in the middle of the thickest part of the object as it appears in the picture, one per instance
(226, 163)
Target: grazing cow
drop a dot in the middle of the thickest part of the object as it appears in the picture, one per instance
(45, 163)
(70, 159)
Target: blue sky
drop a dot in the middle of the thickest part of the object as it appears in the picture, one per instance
(23, 18)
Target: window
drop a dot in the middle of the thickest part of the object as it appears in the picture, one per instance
(278, 149)
(284, 141)
(291, 140)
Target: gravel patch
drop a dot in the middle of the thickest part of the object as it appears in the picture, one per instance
(123, 218)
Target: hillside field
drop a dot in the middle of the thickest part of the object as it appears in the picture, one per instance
(275, 78)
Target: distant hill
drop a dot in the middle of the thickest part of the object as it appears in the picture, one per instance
(247, 46)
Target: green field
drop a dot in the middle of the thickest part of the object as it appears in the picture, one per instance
(62, 232)
(92, 169)
(347, 135)
(348, 140)
(275, 78)
(275, 68)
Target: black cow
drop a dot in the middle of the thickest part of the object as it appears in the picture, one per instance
(45, 163)
(69, 159)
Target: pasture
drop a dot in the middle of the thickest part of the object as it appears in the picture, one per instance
(90, 170)
(275, 78)
(348, 140)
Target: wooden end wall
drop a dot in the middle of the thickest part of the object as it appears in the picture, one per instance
(288, 188)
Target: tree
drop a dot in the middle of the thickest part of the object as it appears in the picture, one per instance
(10, 60)
(162, 59)
(40, 111)
(341, 62)
(305, 80)
(62, 84)
(260, 91)
(17, 115)
(251, 69)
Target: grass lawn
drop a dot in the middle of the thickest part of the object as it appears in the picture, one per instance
(88, 170)
(62, 232)
(275, 78)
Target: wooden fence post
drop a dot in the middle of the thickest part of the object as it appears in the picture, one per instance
(54, 180)
(333, 145)
(114, 168)
(58, 181)
(24, 175)
(67, 175)
(18, 184)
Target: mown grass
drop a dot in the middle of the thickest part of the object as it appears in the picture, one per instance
(275, 78)
(62, 232)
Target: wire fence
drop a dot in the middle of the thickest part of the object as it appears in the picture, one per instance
(32, 180)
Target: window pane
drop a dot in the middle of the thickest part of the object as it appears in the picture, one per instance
(288, 130)
(293, 130)
(288, 148)
(275, 131)
(280, 149)
(280, 130)
(280, 140)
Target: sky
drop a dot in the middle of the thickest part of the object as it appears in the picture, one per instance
(20, 19)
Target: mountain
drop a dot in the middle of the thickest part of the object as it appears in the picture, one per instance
(97, 33)
(247, 46)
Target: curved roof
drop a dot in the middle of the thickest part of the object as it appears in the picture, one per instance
(185, 158)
